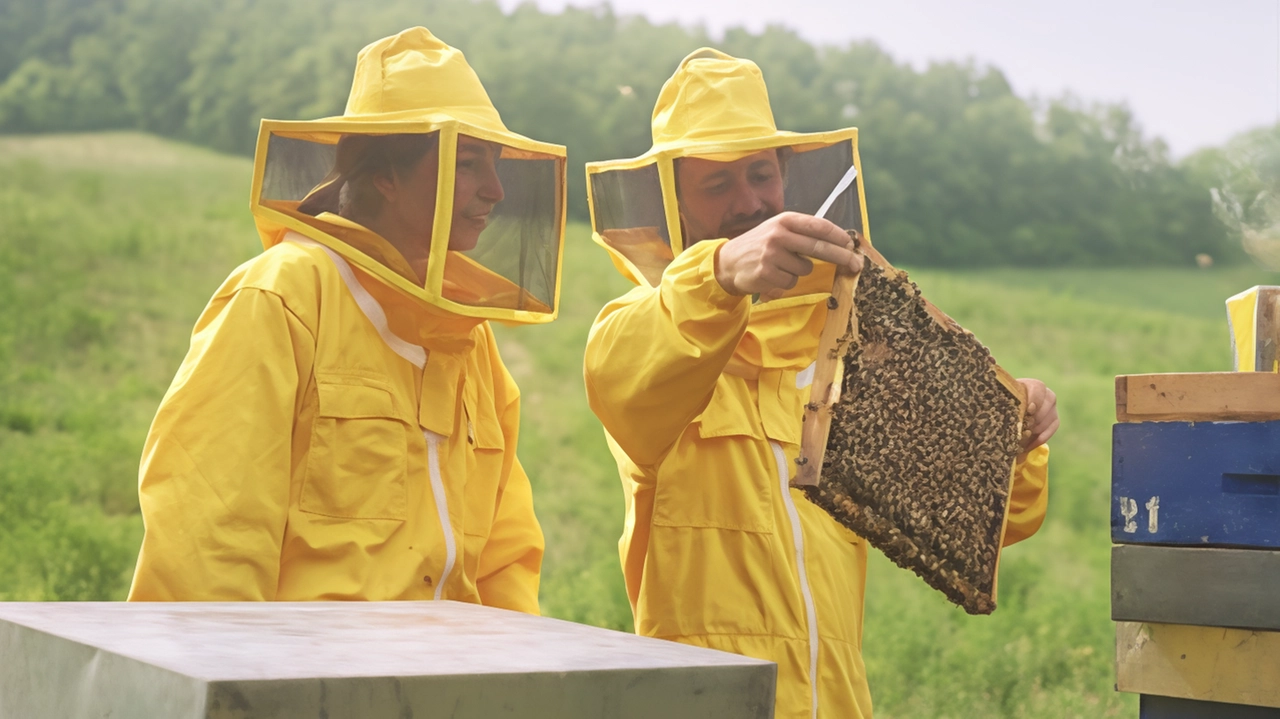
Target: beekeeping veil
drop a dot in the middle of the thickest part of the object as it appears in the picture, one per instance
(715, 107)
(415, 97)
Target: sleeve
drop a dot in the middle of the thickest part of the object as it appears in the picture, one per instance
(215, 473)
(510, 564)
(1029, 497)
(654, 355)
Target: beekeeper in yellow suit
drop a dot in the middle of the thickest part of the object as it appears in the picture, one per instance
(701, 391)
(342, 426)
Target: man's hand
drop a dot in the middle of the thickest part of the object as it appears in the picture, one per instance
(1042, 414)
(770, 258)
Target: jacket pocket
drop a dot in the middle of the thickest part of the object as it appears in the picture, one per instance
(721, 473)
(357, 463)
(486, 446)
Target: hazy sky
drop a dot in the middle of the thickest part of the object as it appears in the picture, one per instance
(1194, 72)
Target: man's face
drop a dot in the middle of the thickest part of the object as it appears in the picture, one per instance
(725, 199)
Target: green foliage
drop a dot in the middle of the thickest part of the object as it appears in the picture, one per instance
(960, 171)
(103, 268)
(113, 243)
(1244, 176)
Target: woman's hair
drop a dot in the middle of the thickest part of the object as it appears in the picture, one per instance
(349, 190)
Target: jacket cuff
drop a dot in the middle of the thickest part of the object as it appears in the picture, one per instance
(693, 275)
(1036, 459)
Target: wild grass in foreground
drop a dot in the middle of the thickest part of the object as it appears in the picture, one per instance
(111, 244)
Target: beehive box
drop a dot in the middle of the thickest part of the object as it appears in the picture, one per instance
(1210, 664)
(428, 660)
(911, 434)
(1195, 460)
(1195, 571)
(1253, 316)
(1195, 512)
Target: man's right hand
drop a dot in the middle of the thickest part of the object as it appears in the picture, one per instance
(770, 258)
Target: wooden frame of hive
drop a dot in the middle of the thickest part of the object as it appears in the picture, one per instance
(934, 561)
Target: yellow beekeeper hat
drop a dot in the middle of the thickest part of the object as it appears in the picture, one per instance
(411, 84)
(716, 107)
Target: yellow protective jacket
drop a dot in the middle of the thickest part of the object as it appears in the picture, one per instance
(701, 394)
(328, 438)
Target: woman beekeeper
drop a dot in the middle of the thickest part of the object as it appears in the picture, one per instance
(342, 426)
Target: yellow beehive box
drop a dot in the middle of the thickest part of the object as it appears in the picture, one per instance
(1254, 316)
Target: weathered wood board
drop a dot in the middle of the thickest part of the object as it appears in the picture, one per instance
(911, 434)
(1234, 666)
(1196, 483)
(1151, 706)
(1198, 397)
(1187, 585)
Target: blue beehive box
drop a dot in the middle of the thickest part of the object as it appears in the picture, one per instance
(1196, 484)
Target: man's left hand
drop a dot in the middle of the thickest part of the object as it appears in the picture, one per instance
(1041, 420)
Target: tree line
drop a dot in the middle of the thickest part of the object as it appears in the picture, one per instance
(960, 171)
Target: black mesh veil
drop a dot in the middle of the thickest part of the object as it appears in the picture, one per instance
(521, 242)
(812, 174)
(629, 215)
(499, 245)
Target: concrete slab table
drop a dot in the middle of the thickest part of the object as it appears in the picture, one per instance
(334, 659)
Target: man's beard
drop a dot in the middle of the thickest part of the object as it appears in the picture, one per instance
(737, 225)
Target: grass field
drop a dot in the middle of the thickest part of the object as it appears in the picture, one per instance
(111, 244)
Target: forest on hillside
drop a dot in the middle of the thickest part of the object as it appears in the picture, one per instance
(960, 171)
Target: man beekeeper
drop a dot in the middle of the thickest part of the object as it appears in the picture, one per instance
(701, 391)
(342, 426)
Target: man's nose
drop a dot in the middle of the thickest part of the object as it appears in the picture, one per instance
(745, 201)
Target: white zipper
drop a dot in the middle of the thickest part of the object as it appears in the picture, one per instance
(797, 536)
(442, 507)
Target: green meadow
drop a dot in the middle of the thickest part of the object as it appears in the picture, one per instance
(110, 244)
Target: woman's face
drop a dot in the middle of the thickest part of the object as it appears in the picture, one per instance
(476, 191)
(411, 197)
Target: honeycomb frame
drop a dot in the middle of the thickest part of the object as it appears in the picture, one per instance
(918, 460)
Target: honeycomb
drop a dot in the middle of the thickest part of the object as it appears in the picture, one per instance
(922, 441)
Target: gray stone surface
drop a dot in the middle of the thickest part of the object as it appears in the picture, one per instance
(332, 660)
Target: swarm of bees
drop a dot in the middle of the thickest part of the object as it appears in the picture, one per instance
(922, 441)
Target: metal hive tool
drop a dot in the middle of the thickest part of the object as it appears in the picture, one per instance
(911, 434)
